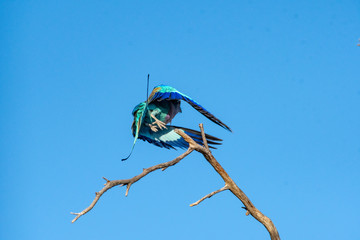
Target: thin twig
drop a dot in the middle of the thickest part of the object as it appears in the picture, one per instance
(203, 136)
(127, 189)
(210, 195)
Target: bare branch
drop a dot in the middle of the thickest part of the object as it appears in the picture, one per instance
(229, 183)
(268, 224)
(203, 136)
(210, 195)
(127, 189)
(110, 184)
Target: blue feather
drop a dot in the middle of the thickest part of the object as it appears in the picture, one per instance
(163, 92)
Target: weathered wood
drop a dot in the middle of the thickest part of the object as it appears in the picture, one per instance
(205, 151)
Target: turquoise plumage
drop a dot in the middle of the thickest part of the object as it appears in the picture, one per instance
(151, 119)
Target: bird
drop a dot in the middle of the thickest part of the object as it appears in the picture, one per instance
(151, 119)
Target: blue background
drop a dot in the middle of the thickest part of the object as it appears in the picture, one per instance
(284, 75)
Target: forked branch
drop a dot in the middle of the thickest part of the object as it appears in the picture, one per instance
(128, 182)
(251, 209)
(205, 151)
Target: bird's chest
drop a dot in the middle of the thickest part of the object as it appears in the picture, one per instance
(164, 110)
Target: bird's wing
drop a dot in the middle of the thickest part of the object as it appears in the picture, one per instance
(168, 138)
(163, 92)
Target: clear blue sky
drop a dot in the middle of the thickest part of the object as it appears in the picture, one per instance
(284, 75)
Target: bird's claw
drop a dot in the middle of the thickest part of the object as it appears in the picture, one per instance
(161, 124)
(157, 124)
(153, 128)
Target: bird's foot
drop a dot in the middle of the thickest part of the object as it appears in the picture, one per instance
(160, 124)
(157, 124)
(153, 128)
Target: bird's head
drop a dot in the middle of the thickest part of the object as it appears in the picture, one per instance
(140, 107)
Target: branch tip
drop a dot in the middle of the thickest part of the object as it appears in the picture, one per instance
(210, 195)
(107, 180)
(204, 136)
(247, 211)
(127, 189)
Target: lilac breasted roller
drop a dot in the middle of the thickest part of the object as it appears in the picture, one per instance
(151, 119)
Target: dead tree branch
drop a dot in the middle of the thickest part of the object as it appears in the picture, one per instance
(205, 151)
(128, 182)
(268, 224)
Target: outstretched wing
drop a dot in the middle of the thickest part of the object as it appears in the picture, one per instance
(168, 138)
(164, 92)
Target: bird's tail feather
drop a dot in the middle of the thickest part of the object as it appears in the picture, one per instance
(196, 136)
